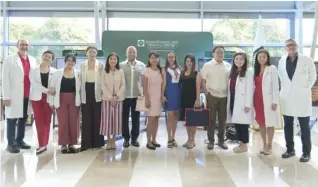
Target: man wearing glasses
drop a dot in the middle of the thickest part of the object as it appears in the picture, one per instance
(298, 75)
(215, 76)
(16, 91)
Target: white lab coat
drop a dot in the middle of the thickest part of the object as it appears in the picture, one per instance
(36, 85)
(296, 95)
(56, 83)
(13, 85)
(270, 87)
(243, 98)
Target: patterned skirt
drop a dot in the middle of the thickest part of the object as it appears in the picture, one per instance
(111, 119)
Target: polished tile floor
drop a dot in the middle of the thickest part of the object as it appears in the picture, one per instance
(178, 167)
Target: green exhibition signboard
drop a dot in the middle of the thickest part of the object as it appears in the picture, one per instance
(182, 43)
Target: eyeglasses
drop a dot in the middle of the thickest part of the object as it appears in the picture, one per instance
(290, 45)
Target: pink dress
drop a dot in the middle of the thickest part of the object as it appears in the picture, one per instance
(154, 90)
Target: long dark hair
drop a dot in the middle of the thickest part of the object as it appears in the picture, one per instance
(107, 66)
(157, 56)
(175, 62)
(234, 67)
(192, 58)
(257, 66)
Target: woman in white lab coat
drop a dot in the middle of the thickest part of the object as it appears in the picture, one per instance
(67, 102)
(240, 100)
(40, 78)
(266, 99)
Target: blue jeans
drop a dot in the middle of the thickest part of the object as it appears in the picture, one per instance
(19, 124)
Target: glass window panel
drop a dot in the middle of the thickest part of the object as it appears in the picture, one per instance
(154, 24)
(308, 30)
(244, 30)
(273, 51)
(37, 51)
(1, 32)
(306, 51)
(52, 29)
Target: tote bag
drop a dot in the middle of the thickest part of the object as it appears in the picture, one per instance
(141, 104)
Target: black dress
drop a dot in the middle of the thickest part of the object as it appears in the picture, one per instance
(188, 92)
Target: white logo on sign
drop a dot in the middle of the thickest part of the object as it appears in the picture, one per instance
(141, 43)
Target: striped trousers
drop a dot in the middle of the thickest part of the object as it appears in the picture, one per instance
(111, 120)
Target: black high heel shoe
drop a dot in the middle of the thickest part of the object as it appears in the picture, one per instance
(156, 144)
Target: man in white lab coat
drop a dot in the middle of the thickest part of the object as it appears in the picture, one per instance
(16, 91)
(297, 74)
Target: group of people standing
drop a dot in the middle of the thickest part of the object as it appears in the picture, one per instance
(107, 94)
(240, 95)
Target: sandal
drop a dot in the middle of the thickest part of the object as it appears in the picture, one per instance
(156, 144)
(269, 152)
(241, 149)
(174, 143)
(237, 147)
(72, 149)
(113, 144)
(191, 145)
(109, 144)
(186, 144)
(170, 144)
(152, 147)
(64, 149)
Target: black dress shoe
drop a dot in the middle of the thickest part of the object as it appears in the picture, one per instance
(223, 146)
(126, 144)
(135, 143)
(210, 146)
(288, 154)
(304, 158)
(23, 145)
(13, 149)
(40, 150)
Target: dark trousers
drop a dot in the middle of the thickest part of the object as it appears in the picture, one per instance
(242, 133)
(129, 105)
(19, 123)
(218, 108)
(91, 118)
(305, 133)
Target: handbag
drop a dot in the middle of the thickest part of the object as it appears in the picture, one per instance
(141, 104)
(197, 117)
